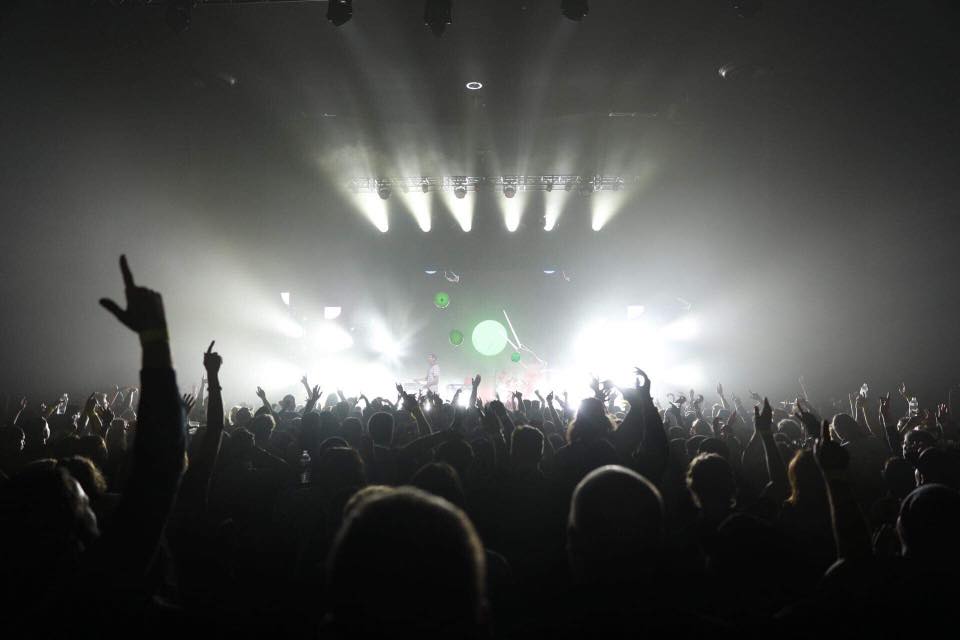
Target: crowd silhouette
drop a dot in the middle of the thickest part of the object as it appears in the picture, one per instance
(420, 517)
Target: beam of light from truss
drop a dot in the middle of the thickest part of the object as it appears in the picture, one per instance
(420, 206)
(461, 208)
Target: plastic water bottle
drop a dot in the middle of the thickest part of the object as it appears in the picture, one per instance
(305, 467)
(863, 390)
(914, 407)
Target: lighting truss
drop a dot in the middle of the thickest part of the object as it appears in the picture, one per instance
(473, 184)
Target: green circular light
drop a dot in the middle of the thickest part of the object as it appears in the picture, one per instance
(489, 338)
(515, 356)
(442, 300)
(456, 337)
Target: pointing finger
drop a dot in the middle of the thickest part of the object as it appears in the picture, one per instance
(210, 348)
(125, 270)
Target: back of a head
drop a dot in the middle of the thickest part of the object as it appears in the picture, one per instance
(11, 440)
(846, 427)
(338, 469)
(526, 446)
(791, 429)
(615, 526)
(591, 422)
(261, 427)
(458, 454)
(714, 445)
(352, 430)
(929, 524)
(899, 477)
(435, 587)
(710, 480)
(381, 428)
(937, 466)
(440, 479)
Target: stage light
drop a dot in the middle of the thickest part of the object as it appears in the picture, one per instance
(430, 272)
(568, 186)
(425, 186)
(289, 327)
(383, 190)
(339, 12)
(549, 272)
(437, 15)
(332, 313)
(383, 342)
(685, 328)
(460, 207)
(586, 188)
(285, 296)
(179, 14)
(575, 10)
(549, 186)
(489, 338)
(509, 190)
(329, 337)
(474, 86)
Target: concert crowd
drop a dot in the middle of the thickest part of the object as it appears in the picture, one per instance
(628, 513)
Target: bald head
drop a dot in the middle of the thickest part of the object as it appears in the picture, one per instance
(615, 527)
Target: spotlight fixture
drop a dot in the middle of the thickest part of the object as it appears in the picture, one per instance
(574, 10)
(424, 185)
(509, 190)
(437, 15)
(568, 186)
(179, 14)
(474, 86)
(549, 186)
(339, 12)
(460, 191)
(586, 188)
(383, 190)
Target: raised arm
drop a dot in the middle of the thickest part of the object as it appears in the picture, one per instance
(643, 426)
(776, 470)
(129, 544)
(850, 531)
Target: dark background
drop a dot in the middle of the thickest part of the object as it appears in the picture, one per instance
(805, 205)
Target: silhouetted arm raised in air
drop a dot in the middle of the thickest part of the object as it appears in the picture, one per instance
(128, 545)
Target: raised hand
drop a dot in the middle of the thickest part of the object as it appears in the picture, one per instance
(106, 416)
(831, 457)
(261, 394)
(144, 313)
(550, 399)
(476, 381)
(902, 390)
(212, 360)
(719, 389)
(188, 402)
(885, 408)
(763, 418)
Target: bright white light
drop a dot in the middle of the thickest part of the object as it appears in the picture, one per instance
(461, 209)
(329, 337)
(430, 272)
(474, 86)
(289, 327)
(375, 210)
(383, 341)
(552, 207)
(687, 375)
(684, 328)
(285, 296)
(332, 313)
(634, 311)
(512, 209)
(549, 272)
(420, 206)
(637, 344)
